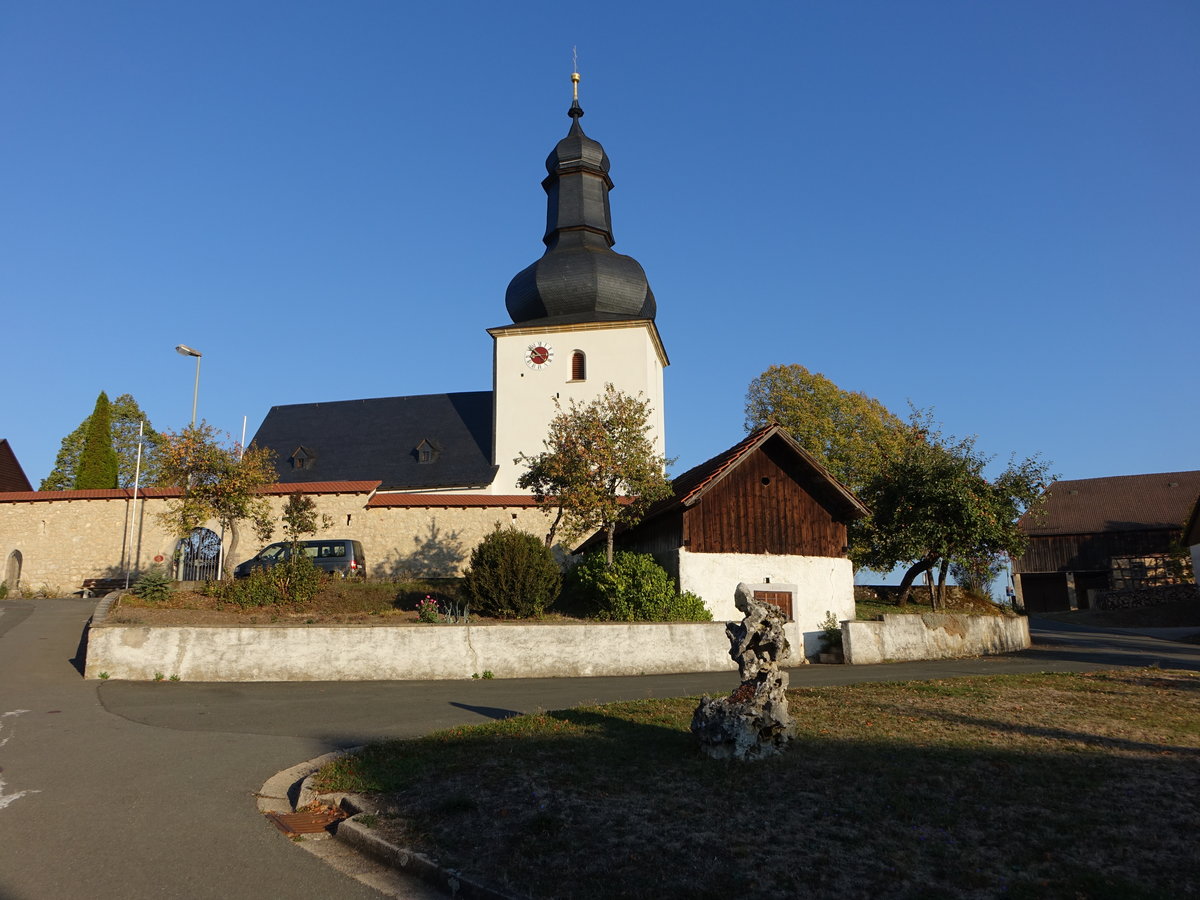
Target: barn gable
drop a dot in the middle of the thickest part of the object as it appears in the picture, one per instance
(766, 495)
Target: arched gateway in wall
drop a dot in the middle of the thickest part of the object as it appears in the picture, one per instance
(200, 556)
(12, 570)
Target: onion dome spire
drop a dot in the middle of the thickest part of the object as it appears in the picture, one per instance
(579, 278)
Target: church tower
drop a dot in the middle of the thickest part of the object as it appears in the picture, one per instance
(583, 315)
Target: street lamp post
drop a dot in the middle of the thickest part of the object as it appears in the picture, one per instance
(185, 350)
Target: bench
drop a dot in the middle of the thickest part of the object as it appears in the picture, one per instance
(100, 586)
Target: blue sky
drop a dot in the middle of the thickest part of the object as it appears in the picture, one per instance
(992, 209)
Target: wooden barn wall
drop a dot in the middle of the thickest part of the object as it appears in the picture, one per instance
(764, 506)
(661, 537)
(1084, 552)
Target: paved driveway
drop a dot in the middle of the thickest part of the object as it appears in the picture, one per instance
(145, 790)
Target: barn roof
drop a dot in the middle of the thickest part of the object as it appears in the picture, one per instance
(689, 488)
(1115, 503)
(692, 485)
(425, 442)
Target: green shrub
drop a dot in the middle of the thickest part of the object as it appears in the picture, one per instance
(153, 586)
(831, 633)
(512, 575)
(634, 588)
(295, 580)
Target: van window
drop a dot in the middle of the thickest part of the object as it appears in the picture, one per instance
(274, 551)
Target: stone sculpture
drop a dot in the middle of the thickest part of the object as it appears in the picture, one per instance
(753, 721)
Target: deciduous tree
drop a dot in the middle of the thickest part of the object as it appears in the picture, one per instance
(931, 504)
(599, 468)
(219, 483)
(849, 432)
(300, 517)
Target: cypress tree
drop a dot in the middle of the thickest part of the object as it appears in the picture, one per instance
(98, 459)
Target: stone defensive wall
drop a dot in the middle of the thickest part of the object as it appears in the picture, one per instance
(901, 637)
(57, 539)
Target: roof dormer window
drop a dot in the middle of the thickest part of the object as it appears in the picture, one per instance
(426, 451)
(302, 458)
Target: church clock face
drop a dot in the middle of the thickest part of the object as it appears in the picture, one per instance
(538, 356)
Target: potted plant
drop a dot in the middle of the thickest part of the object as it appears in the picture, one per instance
(831, 640)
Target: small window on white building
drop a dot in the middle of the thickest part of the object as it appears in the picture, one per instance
(578, 366)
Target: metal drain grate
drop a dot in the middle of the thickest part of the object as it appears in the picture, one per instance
(308, 822)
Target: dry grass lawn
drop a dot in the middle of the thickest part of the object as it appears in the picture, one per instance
(1071, 786)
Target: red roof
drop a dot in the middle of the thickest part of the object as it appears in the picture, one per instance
(312, 487)
(1116, 503)
(323, 487)
(452, 501)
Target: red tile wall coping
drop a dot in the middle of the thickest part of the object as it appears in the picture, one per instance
(451, 501)
(313, 487)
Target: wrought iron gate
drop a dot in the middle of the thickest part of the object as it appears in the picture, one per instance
(200, 556)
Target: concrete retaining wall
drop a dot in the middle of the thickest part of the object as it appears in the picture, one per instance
(405, 652)
(932, 636)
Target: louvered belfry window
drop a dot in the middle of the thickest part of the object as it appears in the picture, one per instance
(578, 366)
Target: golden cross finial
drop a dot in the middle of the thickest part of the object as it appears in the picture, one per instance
(575, 73)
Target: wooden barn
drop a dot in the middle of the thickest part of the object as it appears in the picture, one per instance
(764, 512)
(1094, 534)
(1191, 537)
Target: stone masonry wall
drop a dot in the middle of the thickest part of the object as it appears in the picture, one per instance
(63, 542)
(1146, 596)
(403, 540)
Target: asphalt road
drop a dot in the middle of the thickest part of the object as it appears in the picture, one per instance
(145, 790)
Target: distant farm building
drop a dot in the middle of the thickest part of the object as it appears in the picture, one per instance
(1098, 534)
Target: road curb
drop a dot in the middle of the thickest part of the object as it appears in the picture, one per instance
(291, 789)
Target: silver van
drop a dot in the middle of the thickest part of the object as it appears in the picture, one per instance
(338, 557)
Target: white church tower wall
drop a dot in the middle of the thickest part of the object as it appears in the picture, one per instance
(627, 355)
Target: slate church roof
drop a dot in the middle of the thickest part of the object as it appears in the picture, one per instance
(428, 442)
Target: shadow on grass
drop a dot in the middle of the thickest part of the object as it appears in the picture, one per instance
(1067, 736)
(491, 712)
(589, 804)
(1058, 648)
